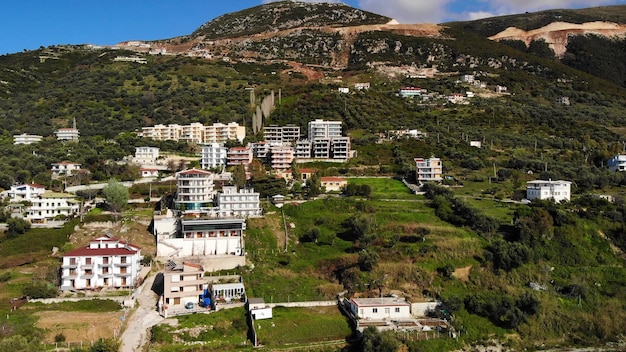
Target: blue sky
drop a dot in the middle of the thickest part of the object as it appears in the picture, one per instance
(29, 24)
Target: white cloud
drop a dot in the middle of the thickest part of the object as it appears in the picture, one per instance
(437, 11)
(409, 11)
(478, 15)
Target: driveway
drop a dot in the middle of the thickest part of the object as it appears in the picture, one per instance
(143, 318)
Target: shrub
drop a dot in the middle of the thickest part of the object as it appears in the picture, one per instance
(40, 290)
(59, 337)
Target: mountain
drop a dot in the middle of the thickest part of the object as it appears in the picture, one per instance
(538, 275)
(592, 40)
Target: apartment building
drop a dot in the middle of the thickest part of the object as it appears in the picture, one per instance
(195, 189)
(340, 148)
(182, 284)
(213, 155)
(303, 149)
(281, 135)
(321, 148)
(51, 205)
(281, 157)
(196, 132)
(260, 150)
(26, 138)
(241, 203)
(146, 155)
(239, 156)
(106, 261)
(324, 129)
(428, 170)
(556, 190)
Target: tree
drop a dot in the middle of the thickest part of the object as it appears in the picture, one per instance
(16, 227)
(375, 341)
(239, 176)
(116, 195)
(314, 186)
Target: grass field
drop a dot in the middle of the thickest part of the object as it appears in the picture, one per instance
(295, 326)
(385, 188)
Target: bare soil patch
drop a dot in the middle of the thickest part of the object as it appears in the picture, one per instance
(463, 273)
(78, 326)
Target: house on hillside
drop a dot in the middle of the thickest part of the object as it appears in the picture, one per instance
(617, 163)
(384, 308)
(52, 205)
(64, 168)
(26, 192)
(558, 191)
(428, 169)
(333, 184)
(106, 261)
(26, 138)
(182, 284)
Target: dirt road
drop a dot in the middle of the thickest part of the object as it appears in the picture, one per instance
(143, 318)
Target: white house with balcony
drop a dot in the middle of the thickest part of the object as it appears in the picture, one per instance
(617, 163)
(428, 169)
(64, 168)
(106, 261)
(182, 283)
(67, 134)
(146, 155)
(26, 138)
(25, 192)
(556, 190)
(240, 203)
(51, 205)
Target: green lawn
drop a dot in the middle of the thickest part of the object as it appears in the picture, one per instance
(385, 188)
(293, 326)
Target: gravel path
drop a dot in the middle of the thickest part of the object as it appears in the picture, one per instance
(144, 317)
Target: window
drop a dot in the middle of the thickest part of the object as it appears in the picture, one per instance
(386, 310)
(374, 310)
(397, 310)
(123, 260)
(87, 261)
(105, 270)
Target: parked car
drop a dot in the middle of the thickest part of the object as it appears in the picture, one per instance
(189, 305)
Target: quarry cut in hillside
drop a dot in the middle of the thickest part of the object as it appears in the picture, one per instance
(557, 34)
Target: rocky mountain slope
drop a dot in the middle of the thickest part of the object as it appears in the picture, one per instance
(557, 34)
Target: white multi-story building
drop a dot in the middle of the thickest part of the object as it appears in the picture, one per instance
(105, 262)
(428, 170)
(406, 92)
(239, 156)
(26, 138)
(64, 168)
(324, 129)
(241, 203)
(50, 205)
(321, 148)
(67, 134)
(213, 155)
(26, 192)
(281, 157)
(146, 155)
(556, 190)
(617, 163)
(195, 189)
(281, 135)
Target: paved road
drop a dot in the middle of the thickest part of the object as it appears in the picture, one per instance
(143, 318)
